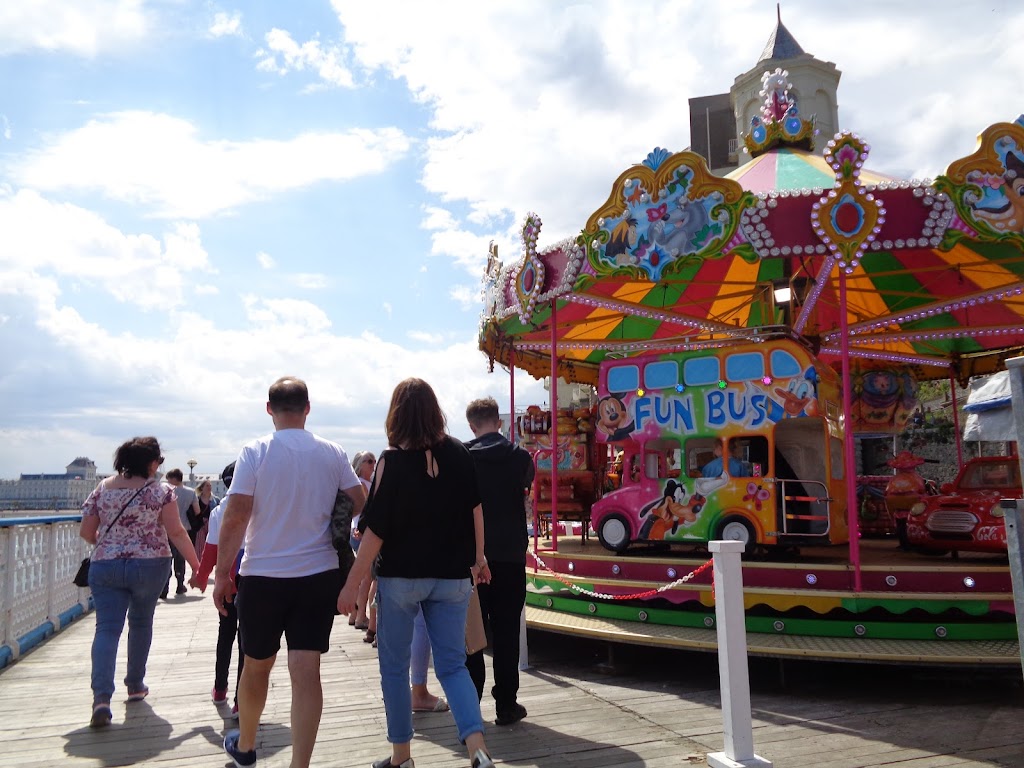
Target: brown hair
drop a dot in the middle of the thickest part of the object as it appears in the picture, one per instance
(415, 420)
(482, 412)
(174, 474)
(288, 395)
(133, 457)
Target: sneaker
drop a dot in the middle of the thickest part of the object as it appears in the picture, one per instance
(241, 759)
(101, 716)
(138, 695)
(482, 760)
(219, 695)
(513, 714)
(233, 714)
(386, 763)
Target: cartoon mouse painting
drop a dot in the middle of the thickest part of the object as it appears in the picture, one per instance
(612, 419)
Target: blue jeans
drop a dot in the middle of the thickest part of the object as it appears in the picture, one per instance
(131, 586)
(420, 651)
(444, 604)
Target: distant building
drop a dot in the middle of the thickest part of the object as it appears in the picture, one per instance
(57, 491)
(718, 122)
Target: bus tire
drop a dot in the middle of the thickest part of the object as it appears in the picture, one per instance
(737, 528)
(614, 533)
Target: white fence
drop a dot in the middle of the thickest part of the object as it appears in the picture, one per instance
(38, 558)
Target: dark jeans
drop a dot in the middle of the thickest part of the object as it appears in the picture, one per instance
(226, 634)
(501, 603)
(179, 567)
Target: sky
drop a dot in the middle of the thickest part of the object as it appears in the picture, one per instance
(199, 197)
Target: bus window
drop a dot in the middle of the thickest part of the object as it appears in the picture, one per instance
(701, 371)
(623, 378)
(744, 366)
(699, 451)
(661, 375)
(662, 459)
(753, 453)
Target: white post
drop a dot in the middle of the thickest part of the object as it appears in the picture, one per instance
(524, 656)
(732, 660)
(1014, 510)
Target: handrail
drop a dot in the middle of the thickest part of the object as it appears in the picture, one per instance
(38, 558)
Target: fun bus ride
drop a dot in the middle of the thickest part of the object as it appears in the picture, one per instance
(743, 443)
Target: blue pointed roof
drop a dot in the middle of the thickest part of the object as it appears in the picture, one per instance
(781, 45)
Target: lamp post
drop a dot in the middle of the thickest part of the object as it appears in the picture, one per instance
(191, 471)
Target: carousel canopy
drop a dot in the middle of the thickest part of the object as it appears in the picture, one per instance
(793, 170)
(923, 275)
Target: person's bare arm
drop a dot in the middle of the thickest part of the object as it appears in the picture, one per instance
(177, 534)
(368, 552)
(232, 531)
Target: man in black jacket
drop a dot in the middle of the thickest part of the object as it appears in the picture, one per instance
(503, 472)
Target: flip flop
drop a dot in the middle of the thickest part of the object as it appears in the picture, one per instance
(439, 706)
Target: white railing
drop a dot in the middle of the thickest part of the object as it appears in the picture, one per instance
(38, 558)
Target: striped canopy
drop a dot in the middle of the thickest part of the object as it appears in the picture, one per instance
(933, 273)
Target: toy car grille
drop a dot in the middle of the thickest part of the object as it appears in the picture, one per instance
(950, 521)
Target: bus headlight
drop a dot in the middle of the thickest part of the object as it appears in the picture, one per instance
(918, 508)
(997, 511)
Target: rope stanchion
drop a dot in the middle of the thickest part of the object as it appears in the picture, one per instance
(636, 596)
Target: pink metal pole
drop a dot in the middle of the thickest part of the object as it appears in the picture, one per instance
(512, 394)
(554, 429)
(849, 459)
(956, 423)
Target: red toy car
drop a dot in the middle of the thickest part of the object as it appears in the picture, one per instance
(966, 515)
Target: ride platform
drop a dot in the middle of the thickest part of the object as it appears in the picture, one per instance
(906, 608)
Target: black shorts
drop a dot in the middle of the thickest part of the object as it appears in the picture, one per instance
(302, 609)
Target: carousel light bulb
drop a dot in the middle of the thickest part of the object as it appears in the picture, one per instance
(639, 393)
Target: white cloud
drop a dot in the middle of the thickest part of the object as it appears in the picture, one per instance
(309, 281)
(467, 297)
(265, 260)
(526, 120)
(159, 162)
(226, 24)
(43, 239)
(386, 306)
(284, 55)
(84, 28)
(426, 338)
(6, 127)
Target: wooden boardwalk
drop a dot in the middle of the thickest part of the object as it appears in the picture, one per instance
(652, 708)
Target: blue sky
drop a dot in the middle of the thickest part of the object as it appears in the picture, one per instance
(198, 197)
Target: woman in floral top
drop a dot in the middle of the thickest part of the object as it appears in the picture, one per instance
(130, 564)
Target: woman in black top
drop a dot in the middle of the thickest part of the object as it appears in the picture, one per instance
(423, 518)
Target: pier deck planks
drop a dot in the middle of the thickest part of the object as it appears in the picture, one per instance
(580, 716)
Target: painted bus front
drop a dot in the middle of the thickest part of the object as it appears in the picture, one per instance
(742, 442)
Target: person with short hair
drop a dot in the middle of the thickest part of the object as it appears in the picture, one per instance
(716, 467)
(280, 501)
(365, 616)
(227, 630)
(503, 471)
(424, 520)
(188, 505)
(130, 518)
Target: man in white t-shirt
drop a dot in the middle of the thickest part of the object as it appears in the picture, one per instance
(280, 500)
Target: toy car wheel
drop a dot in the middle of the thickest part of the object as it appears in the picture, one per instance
(614, 533)
(736, 528)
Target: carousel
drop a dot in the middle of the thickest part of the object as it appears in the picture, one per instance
(738, 334)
